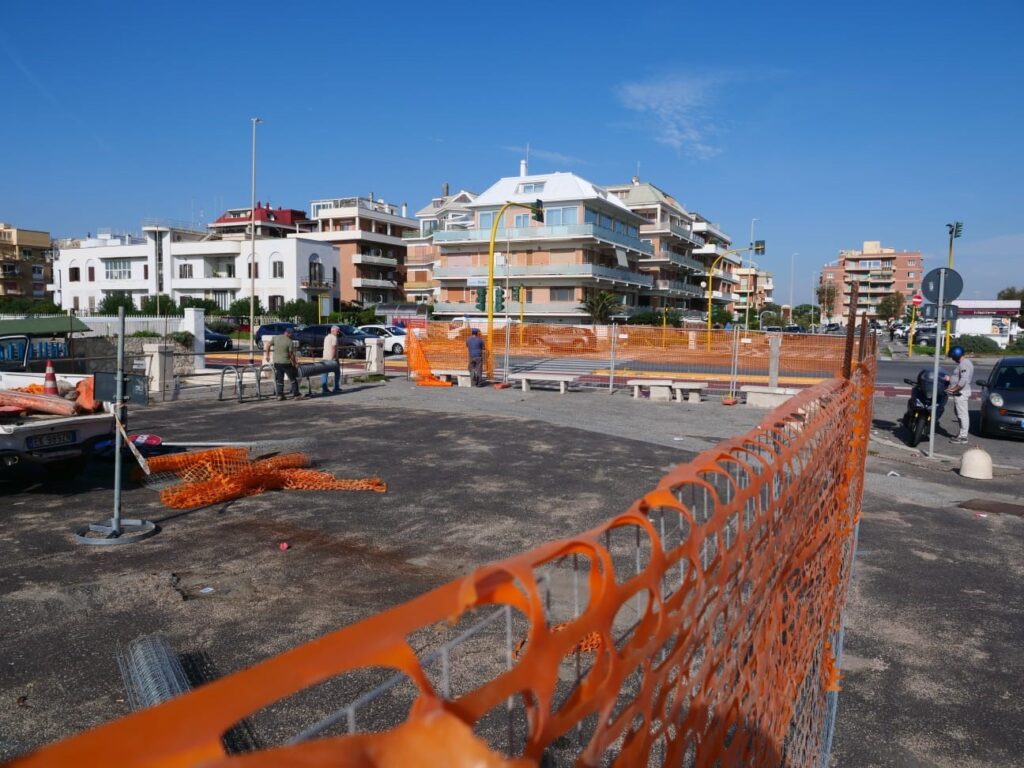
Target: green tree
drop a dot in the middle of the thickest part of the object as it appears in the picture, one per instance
(826, 294)
(149, 305)
(300, 310)
(115, 299)
(891, 306)
(1011, 293)
(601, 306)
(720, 316)
(209, 306)
(240, 308)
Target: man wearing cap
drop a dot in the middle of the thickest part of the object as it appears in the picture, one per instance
(331, 355)
(959, 388)
(281, 352)
(475, 345)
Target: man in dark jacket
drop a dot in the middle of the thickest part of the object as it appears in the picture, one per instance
(281, 351)
(475, 345)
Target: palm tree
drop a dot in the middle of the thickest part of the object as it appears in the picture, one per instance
(601, 306)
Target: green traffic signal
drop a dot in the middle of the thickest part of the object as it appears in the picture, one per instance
(538, 211)
(499, 300)
(481, 299)
(955, 229)
(759, 247)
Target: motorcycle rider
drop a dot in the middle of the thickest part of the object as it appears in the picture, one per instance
(959, 388)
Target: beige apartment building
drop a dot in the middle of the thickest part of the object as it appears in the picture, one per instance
(588, 242)
(878, 271)
(756, 288)
(369, 237)
(25, 268)
(444, 214)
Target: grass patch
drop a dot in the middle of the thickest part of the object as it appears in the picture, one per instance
(370, 377)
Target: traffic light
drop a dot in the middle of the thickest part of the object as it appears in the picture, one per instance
(538, 211)
(759, 247)
(955, 228)
(499, 300)
(481, 299)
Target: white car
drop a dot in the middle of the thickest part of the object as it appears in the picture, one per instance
(392, 337)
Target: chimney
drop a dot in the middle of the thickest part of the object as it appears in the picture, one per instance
(371, 196)
(522, 167)
(444, 189)
(405, 210)
(636, 181)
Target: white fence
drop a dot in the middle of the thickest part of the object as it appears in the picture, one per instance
(106, 325)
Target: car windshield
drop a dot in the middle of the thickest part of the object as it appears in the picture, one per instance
(351, 330)
(396, 330)
(1010, 377)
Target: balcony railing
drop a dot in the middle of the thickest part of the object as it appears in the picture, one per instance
(418, 285)
(372, 282)
(677, 286)
(368, 258)
(516, 271)
(530, 308)
(680, 260)
(315, 284)
(685, 233)
(564, 232)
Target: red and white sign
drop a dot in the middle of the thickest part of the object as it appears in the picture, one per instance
(917, 300)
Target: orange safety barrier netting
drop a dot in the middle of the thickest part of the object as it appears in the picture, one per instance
(199, 478)
(696, 628)
(634, 350)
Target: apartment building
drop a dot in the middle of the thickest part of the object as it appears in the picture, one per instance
(234, 224)
(684, 249)
(756, 288)
(444, 214)
(589, 242)
(25, 268)
(367, 236)
(878, 271)
(185, 263)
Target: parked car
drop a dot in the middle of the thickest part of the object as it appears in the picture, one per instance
(927, 336)
(351, 341)
(774, 329)
(270, 329)
(392, 337)
(792, 329)
(216, 340)
(570, 339)
(1002, 404)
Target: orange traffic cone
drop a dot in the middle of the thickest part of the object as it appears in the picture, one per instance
(50, 380)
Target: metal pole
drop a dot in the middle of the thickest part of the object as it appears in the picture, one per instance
(119, 415)
(508, 299)
(935, 366)
(252, 250)
(611, 374)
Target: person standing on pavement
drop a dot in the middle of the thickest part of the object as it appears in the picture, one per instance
(475, 345)
(281, 352)
(959, 388)
(331, 355)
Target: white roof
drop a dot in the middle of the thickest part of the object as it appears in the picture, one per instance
(558, 187)
(988, 304)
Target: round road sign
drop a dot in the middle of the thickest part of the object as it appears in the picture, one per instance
(954, 285)
(918, 300)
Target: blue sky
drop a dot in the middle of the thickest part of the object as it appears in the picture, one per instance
(831, 123)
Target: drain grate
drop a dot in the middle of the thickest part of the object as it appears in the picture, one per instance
(996, 507)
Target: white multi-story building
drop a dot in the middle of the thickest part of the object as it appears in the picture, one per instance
(181, 262)
(444, 213)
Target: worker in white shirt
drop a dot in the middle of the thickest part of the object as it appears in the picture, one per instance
(331, 355)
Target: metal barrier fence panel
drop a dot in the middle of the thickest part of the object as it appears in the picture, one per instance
(700, 627)
(598, 354)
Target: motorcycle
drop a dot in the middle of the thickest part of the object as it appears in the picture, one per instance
(917, 419)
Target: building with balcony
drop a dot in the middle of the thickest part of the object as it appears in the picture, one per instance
(185, 263)
(367, 237)
(878, 271)
(668, 229)
(588, 242)
(25, 268)
(756, 288)
(270, 222)
(445, 213)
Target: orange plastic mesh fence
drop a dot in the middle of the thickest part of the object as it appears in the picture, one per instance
(634, 350)
(199, 478)
(696, 628)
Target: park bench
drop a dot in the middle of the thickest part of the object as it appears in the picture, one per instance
(767, 397)
(694, 390)
(563, 379)
(660, 389)
(461, 375)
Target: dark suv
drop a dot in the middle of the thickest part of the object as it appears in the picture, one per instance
(351, 341)
(270, 329)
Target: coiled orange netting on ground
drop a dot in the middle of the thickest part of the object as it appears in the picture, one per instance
(199, 478)
(699, 627)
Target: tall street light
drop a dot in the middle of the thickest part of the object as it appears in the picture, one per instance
(750, 282)
(792, 262)
(252, 250)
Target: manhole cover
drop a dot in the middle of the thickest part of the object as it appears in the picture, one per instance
(996, 507)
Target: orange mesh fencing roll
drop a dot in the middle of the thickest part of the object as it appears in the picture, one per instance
(698, 627)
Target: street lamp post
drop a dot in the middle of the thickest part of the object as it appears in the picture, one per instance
(954, 232)
(792, 262)
(750, 282)
(252, 250)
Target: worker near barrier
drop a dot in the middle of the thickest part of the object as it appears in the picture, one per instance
(281, 351)
(960, 390)
(475, 345)
(330, 355)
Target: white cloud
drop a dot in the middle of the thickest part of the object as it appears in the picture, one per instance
(557, 158)
(680, 105)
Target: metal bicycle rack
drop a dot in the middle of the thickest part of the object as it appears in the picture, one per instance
(239, 380)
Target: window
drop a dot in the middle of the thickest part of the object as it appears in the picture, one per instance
(185, 271)
(145, 271)
(249, 271)
(910, 286)
(530, 187)
(74, 275)
(486, 219)
(74, 302)
(912, 262)
(278, 267)
(37, 271)
(522, 221)
(275, 302)
(589, 216)
(529, 295)
(561, 294)
(559, 217)
(117, 269)
(92, 276)
(911, 274)
(26, 253)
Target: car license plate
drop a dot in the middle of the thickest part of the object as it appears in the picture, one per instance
(54, 438)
